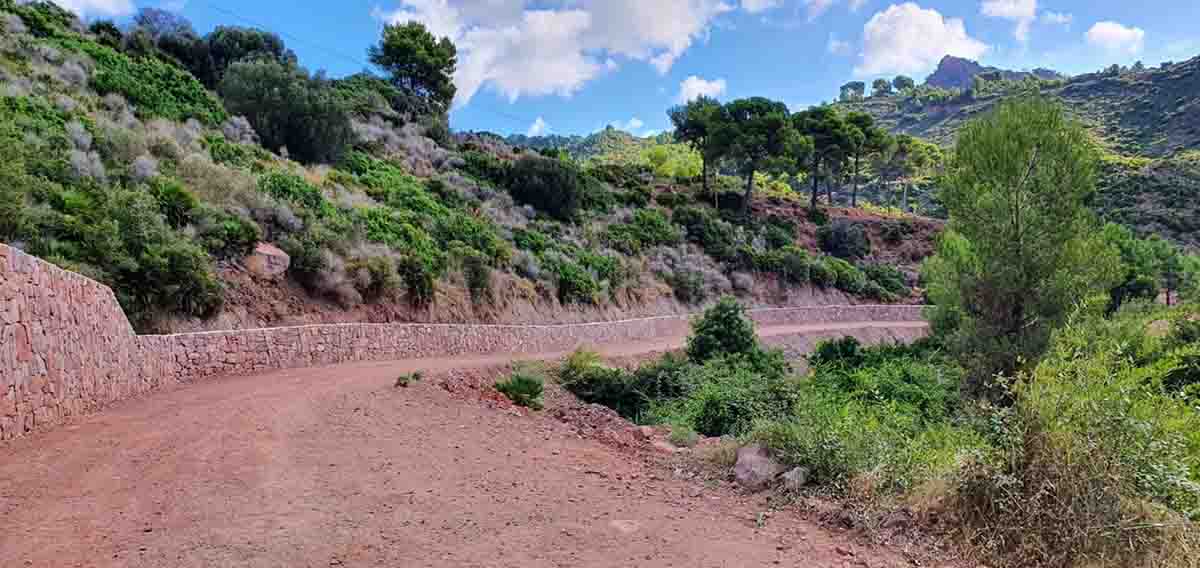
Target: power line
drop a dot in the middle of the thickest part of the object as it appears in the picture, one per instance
(350, 58)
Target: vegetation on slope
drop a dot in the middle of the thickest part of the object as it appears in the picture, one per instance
(1048, 421)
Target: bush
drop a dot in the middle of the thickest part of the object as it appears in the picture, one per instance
(375, 277)
(888, 279)
(893, 232)
(706, 229)
(403, 381)
(723, 330)
(1095, 465)
(688, 285)
(226, 235)
(849, 279)
(551, 186)
(156, 88)
(575, 284)
(822, 274)
(845, 240)
(629, 394)
(523, 388)
(728, 396)
(177, 204)
(289, 109)
(478, 275)
(648, 228)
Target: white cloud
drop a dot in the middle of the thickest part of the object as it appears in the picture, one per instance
(837, 46)
(632, 125)
(694, 87)
(756, 6)
(519, 50)
(1115, 37)
(1023, 12)
(88, 8)
(909, 39)
(538, 128)
(1057, 19)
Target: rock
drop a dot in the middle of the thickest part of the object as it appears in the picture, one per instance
(795, 479)
(755, 470)
(268, 261)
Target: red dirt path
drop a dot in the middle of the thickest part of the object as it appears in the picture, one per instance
(336, 467)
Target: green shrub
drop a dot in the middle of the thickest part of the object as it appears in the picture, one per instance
(648, 228)
(706, 229)
(818, 217)
(523, 389)
(289, 109)
(554, 187)
(375, 277)
(575, 284)
(688, 285)
(478, 274)
(227, 235)
(723, 330)
(683, 436)
(156, 88)
(845, 240)
(484, 166)
(177, 204)
(728, 395)
(232, 154)
(291, 187)
(419, 280)
(532, 240)
(671, 200)
(1096, 465)
(888, 278)
(629, 394)
(848, 278)
(403, 381)
(893, 232)
(822, 274)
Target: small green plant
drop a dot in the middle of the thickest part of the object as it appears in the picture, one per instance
(683, 436)
(403, 381)
(523, 388)
(722, 331)
(845, 240)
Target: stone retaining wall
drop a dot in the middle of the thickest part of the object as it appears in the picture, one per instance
(67, 349)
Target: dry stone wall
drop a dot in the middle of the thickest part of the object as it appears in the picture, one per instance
(67, 349)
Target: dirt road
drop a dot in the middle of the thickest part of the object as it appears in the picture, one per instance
(336, 467)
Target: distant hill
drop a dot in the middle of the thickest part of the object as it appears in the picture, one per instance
(610, 141)
(1147, 119)
(958, 73)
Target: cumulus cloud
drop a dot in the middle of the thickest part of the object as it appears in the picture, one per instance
(1057, 19)
(632, 125)
(538, 128)
(1117, 38)
(1023, 12)
(909, 39)
(694, 87)
(521, 48)
(756, 6)
(90, 8)
(837, 46)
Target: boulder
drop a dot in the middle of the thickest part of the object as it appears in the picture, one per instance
(268, 261)
(795, 479)
(755, 469)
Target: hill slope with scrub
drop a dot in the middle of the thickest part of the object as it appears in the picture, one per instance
(157, 160)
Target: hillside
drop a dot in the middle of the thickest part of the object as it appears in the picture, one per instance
(213, 192)
(1145, 119)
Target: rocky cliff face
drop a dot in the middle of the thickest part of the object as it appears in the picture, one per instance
(958, 73)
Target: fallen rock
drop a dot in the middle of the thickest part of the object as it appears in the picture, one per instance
(268, 261)
(795, 479)
(755, 470)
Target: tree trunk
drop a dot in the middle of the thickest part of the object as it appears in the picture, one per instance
(704, 171)
(854, 195)
(749, 192)
(904, 206)
(816, 176)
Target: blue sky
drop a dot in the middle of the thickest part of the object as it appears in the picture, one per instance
(574, 66)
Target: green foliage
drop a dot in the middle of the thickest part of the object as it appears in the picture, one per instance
(688, 285)
(485, 166)
(723, 331)
(403, 381)
(376, 277)
(227, 235)
(756, 135)
(845, 240)
(1095, 463)
(631, 394)
(552, 186)
(417, 62)
(244, 156)
(1021, 247)
(706, 229)
(156, 88)
(730, 395)
(289, 109)
(523, 388)
(43, 18)
(178, 205)
(889, 278)
(575, 284)
(648, 228)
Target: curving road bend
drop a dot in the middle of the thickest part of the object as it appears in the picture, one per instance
(335, 467)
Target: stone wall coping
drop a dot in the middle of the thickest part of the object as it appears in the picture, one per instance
(533, 325)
